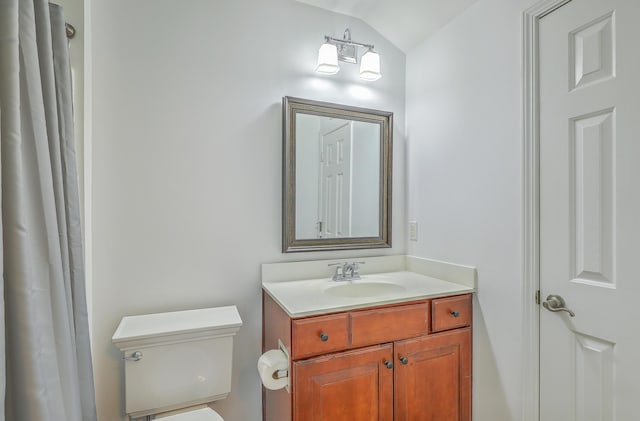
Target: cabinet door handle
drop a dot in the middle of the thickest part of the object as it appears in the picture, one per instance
(324, 337)
(404, 360)
(455, 313)
(388, 364)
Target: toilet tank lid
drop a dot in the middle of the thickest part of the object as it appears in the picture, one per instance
(148, 329)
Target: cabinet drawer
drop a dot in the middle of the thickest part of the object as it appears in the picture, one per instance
(319, 335)
(450, 313)
(388, 324)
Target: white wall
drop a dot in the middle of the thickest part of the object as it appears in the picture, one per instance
(365, 193)
(464, 161)
(307, 175)
(186, 157)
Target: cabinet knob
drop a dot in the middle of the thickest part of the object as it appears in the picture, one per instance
(388, 364)
(404, 360)
(455, 313)
(324, 337)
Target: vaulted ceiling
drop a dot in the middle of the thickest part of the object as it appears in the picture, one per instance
(405, 23)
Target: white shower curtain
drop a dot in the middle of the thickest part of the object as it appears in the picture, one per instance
(45, 366)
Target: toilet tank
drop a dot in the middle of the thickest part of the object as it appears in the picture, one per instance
(178, 359)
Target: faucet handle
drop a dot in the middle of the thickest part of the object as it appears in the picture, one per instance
(353, 270)
(356, 266)
(338, 275)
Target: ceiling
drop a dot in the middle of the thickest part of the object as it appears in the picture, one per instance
(403, 22)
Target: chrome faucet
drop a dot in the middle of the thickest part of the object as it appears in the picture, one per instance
(350, 271)
(346, 272)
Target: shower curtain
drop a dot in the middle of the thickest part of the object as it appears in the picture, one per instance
(45, 360)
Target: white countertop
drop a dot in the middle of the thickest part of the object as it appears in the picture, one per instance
(308, 297)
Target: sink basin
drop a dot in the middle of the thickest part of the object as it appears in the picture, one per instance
(363, 289)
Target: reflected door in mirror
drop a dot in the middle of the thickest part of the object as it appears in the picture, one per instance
(334, 213)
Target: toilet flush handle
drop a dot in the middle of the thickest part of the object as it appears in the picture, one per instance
(136, 356)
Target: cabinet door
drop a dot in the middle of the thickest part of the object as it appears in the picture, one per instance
(347, 386)
(433, 377)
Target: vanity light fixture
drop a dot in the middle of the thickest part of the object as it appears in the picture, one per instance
(328, 59)
(346, 50)
(370, 65)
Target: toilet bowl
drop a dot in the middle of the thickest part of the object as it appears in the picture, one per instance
(204, 414)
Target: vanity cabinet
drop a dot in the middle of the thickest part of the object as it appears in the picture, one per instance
(351, 385)
(400, 362)
(433, 377)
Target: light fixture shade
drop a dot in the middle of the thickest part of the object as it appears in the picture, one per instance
(328, 59)
(370, 66)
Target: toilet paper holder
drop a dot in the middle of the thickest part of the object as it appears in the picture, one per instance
(283, 373)
(274, 368)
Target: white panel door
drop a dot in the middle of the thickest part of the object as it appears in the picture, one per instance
(335, 183)
(590, 211)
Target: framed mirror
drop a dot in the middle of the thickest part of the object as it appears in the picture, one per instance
(336, 176)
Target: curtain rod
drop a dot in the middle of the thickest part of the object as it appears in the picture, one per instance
(71, 30)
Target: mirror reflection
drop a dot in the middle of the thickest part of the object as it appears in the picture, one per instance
(337, 176)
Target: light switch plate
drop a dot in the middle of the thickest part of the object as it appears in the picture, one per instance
(413, 230)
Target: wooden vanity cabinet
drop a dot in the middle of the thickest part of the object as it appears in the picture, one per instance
(435, 382)
(351, 385)
(401, 362)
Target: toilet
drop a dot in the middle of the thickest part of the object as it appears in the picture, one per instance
(175, 363)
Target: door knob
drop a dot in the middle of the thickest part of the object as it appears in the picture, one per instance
(556, 303)
(136, 356)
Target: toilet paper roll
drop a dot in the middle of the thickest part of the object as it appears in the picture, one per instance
(268, 365)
